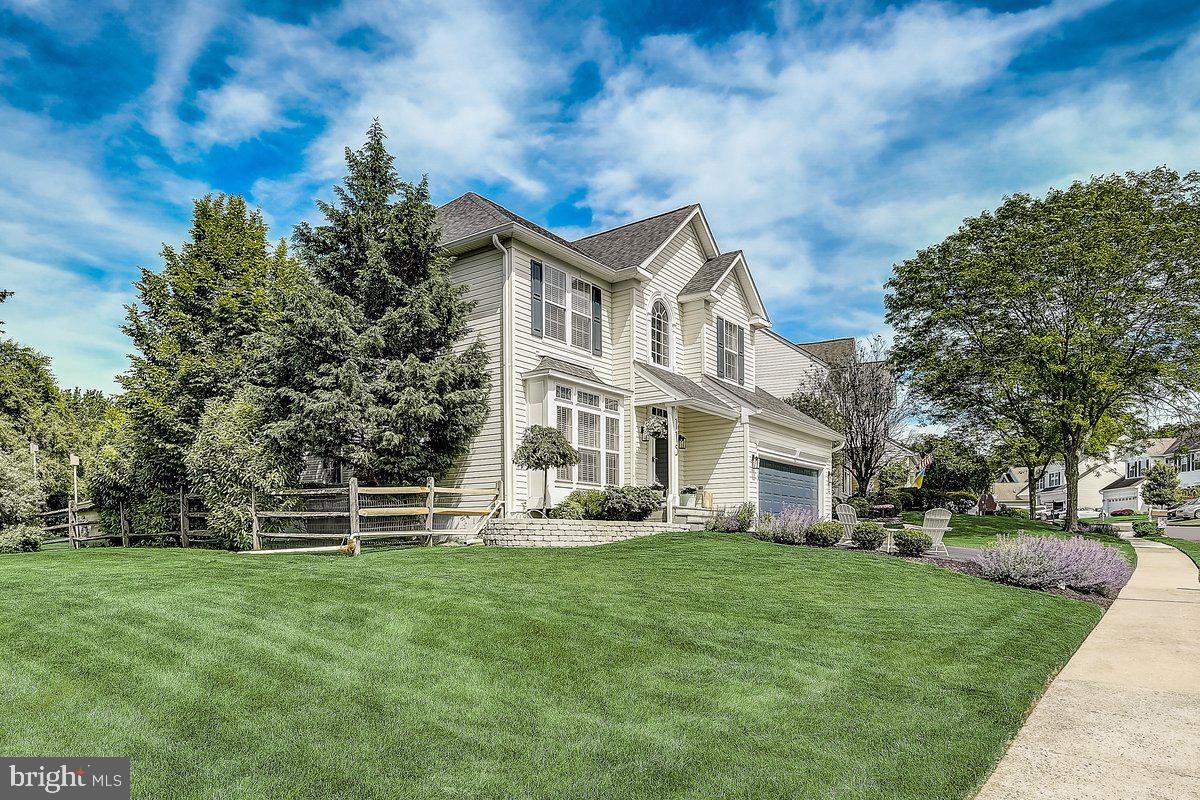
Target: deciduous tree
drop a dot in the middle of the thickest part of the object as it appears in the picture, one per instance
(1067, 310)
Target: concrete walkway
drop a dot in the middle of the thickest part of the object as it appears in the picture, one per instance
(1122, 720)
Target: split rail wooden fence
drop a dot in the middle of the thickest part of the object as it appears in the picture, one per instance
(70, 525)
(371, 512)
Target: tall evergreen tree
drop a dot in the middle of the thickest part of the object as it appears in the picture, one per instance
(368, 367)
(193, 325)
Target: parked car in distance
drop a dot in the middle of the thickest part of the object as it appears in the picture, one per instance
(1190, 509)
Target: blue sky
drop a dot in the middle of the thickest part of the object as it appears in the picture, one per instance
(827, 139)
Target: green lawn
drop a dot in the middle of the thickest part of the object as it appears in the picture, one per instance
(1115, 520)
(684, 665)
(1192, 549)
(970, 531)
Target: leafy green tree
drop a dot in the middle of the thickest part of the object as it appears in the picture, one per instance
(1068, 310)
(956, 465)
(4, 295)
(192, 328)
(544, 449)
(21, 495)
(894, 475)
(33, 409)
(230, 460)
(1162, 488)
(367, 366)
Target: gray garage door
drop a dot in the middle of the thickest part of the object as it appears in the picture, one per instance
(782, 485)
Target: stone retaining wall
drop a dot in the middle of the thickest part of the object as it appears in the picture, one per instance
(568, 532)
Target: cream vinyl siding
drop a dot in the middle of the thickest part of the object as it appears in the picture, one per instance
(692, 327)
(777, 443)
(529, 349)
(783, 368)
(671, 269)
(732, 307)
(482, 273)
(712, 456)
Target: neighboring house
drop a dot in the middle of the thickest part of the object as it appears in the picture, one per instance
(1184, 456)
(597, 335)
(1011, 490)
(1181, 452)
(1094, 475)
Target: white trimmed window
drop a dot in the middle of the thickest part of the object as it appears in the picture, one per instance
(556, 304)
(592, 423)
(563, 423)
(612, 450)
(588, 445)
(581, 314)
(660, 332)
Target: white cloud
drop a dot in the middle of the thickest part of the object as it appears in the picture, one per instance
(70, 241)
(776, 135)
(190, 30)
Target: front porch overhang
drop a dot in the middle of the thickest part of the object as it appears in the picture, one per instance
(681, 392)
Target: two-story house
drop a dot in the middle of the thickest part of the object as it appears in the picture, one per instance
(1094, 475)
(597, 336)
(1180, 452)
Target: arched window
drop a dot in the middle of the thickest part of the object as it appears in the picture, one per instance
(660, 332)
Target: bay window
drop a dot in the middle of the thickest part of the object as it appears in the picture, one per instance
(591, 422)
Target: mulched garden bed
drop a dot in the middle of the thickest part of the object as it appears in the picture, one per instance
(975, 571)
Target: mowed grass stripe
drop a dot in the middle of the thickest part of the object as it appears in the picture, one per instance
(685, 665)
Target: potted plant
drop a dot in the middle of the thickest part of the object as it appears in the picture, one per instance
(687, 496)
(545, 449)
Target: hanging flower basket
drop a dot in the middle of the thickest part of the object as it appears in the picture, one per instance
(654, 428)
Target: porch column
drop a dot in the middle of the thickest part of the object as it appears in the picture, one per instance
(673, 466)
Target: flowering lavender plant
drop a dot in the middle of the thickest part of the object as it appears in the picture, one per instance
(786, 526)
(1041, 562)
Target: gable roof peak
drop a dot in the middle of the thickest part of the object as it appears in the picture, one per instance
(628, 246)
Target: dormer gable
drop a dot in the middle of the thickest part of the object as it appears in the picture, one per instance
(716, 275)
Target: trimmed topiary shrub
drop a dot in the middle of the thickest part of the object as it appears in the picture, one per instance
(567, 509)
(629, 503)
(590, 501)
(823, 534)
(868, 535)
(1145, 527)
(961, 502)
(911, 543)
(20, 539)
(1102, 528)
(1041, 562)
(860, 505)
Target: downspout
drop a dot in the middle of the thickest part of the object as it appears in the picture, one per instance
(507, 412)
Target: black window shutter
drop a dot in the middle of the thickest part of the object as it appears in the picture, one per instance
(720, 348)
(741, 355)
(597, 325)
(535, 297)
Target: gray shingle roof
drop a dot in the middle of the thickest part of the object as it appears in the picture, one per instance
(1185, 442)
(681, 385)
(472, 213)
(765, 401)
(629, 245)
(1123, 483)
(552, 364)
(830, 350)
(709, 274)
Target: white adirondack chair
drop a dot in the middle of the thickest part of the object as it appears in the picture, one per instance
(935, 525)
(848, 517)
